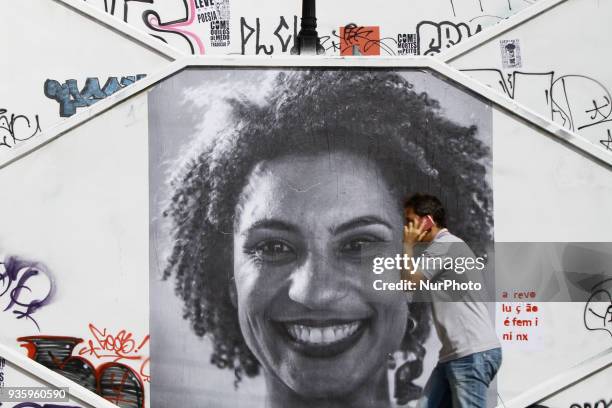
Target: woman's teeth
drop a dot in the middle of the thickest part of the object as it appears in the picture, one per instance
(321, 335)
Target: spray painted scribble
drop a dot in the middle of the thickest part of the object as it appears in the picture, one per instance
(330, 43)
(179, 27)
(118, 346)
(360, 40)
(607, 143)
(282, 31)
(483, 5)
(598, 404)
(116, 382)
(16, 128)
(350, 39)
(575, 102)
(70, 97)
(118, 8)
(433, 38)
(157, 23)
(27, 285)
(598, 310)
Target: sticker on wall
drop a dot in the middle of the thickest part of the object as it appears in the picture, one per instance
(511, 53)
(407, 44)
(220, 33)
(211, 10)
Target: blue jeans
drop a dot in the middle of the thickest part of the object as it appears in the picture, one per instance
(462, 383)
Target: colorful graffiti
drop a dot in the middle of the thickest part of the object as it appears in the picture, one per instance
(70, 97)
(171, 21)
(179, 27)
(114, 381)
(187, 24)
(118, 346)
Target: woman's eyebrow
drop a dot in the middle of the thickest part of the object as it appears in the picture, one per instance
(266, 223)
(359, 222)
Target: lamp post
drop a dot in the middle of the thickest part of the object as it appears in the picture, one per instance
(307, 41)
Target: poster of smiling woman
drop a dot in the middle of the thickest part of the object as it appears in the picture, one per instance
(272, 190)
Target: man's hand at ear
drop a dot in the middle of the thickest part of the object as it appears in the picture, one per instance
(413, 233)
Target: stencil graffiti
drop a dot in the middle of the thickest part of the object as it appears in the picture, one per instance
(433, 38)
(70, 97)
(16, 128)
(27, 285)
(115, 382)
(407, 44)
(219, 34)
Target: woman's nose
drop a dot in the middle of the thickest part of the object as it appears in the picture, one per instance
(316, 284)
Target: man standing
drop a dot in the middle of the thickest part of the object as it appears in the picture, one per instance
(471, 353)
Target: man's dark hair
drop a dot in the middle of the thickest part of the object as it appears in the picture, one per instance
(427, 204)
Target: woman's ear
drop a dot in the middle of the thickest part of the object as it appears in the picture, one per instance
(232, 292)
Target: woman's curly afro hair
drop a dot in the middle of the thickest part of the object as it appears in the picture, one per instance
(372, 113)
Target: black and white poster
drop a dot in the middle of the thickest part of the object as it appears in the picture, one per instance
(271, 191)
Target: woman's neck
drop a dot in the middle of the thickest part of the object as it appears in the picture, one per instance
(373, 393)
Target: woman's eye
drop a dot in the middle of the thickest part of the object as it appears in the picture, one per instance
(274, 252)
(355, 247)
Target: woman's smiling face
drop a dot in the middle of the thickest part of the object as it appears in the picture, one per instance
(306, 231)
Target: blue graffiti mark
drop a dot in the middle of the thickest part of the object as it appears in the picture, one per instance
(70, 97)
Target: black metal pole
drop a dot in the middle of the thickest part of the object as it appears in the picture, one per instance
(307, 41)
